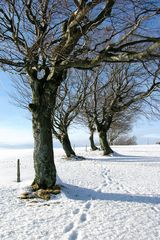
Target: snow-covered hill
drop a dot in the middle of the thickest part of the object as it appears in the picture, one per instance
(103, 198)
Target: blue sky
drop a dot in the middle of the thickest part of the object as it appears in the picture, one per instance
(16, 128)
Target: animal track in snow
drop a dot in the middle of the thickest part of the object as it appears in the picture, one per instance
(108, 181)
(75, 211)
(84, 212)
(105, 175)
(88, 205)
(68, 227)
(73, 235)
(83, 217)
(80, 215)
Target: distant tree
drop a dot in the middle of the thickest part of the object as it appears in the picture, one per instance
(89, 120)
(70, 98)
(86, 116)
(43, 39)
(118, 90)
(125, 140)
(121, 125)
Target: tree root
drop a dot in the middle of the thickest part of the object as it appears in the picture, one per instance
(44, 194)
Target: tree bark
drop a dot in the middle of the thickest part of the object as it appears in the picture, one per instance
(45, 171)
(67, 145)
(42, 107)
(91, 139)
(104, 143)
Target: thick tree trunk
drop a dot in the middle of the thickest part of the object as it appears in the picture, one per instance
(91, 139)
(45, 171)
(67, 145)
(42, 107)
(104, 143)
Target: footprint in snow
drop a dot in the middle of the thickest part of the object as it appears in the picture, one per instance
(76, 211)
(104, 184)
(106, 172)
(68, 227)
(73, 235)
(109, 179)
(83, 218)
(155, 209)
(87, 205)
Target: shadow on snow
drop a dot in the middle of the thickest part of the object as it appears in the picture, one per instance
(125, 158)
(79, 193)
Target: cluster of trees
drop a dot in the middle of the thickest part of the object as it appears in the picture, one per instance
(43, 40)
(107, 99)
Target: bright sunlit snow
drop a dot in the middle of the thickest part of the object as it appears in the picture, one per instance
(103, 198)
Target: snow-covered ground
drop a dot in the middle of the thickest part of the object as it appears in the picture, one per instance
(103, 198)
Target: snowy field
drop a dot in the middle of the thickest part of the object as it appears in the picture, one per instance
(103, 198)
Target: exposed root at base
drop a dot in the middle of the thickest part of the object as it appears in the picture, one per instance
(44, 194)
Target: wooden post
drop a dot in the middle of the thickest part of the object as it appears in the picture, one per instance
(18, 171)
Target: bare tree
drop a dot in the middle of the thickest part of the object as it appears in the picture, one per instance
(44, 38)
(70, 98)
(122, 125)
(125, 140)
(86, 116)
(116, 94)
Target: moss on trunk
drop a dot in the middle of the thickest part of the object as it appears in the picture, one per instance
(43, 100)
